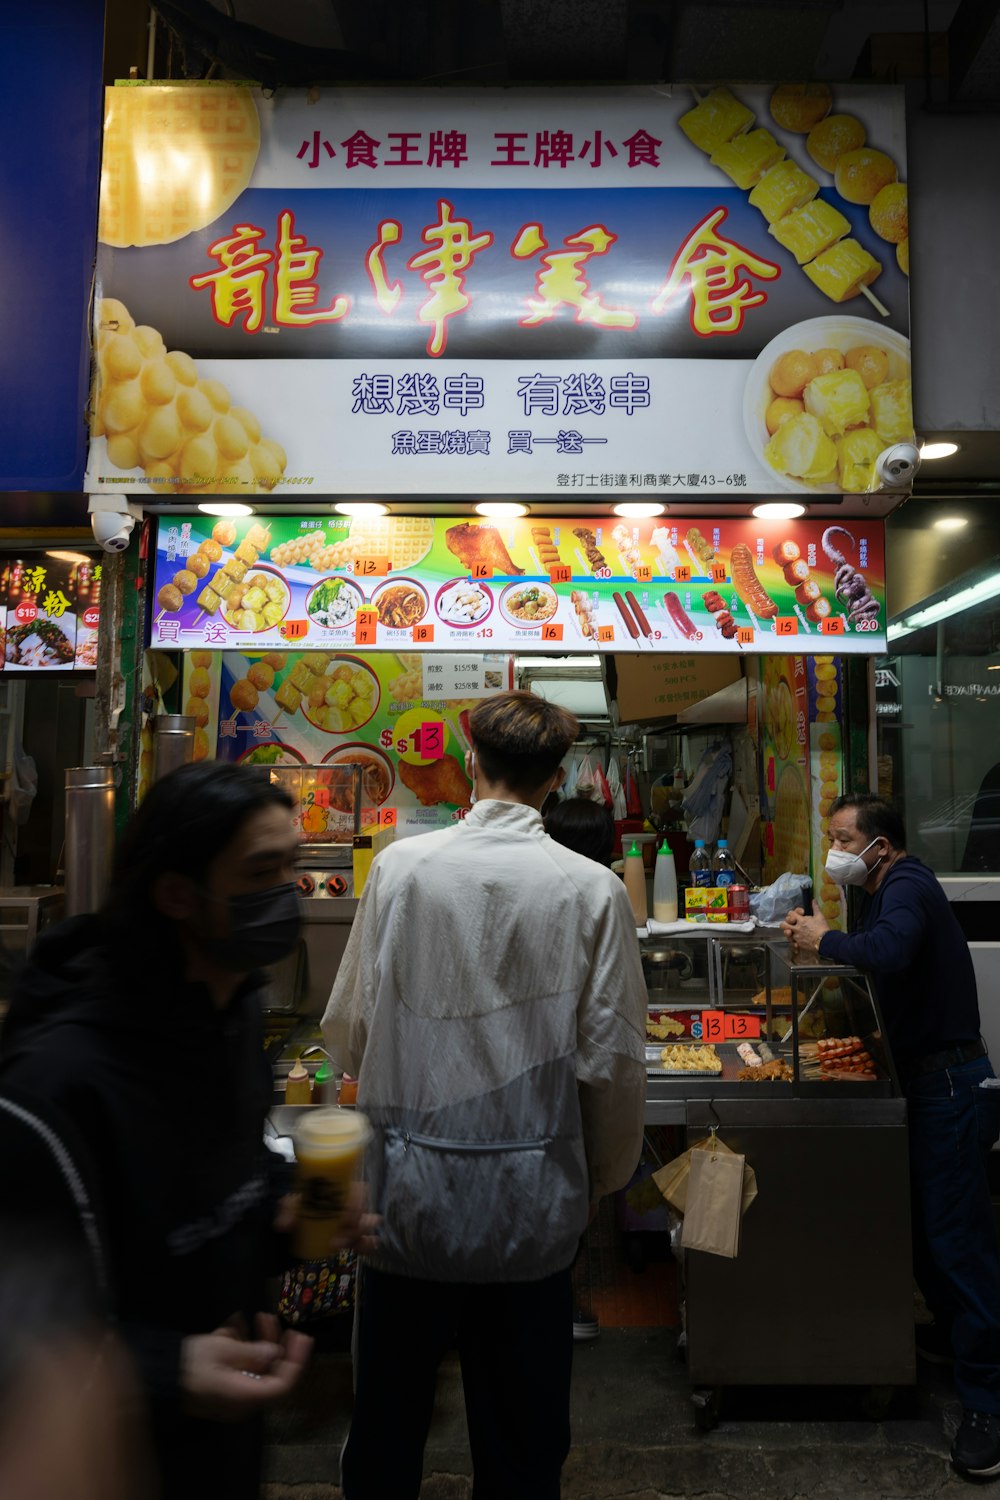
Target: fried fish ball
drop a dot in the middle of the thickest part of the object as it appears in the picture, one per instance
(826, 671)
(826, 705)
(832, 137)
(800, 106)
(871, 364)
(861, 175)
(903, 256)
(780, 409)
(201, 658)
(197, 709)
(211, 549)
(198, 564)
(185, 580)
(792, 372)
(201, 684)
(243, 695)
(224, 532)
(828, 741)
(889, 213)
(261, 674)
(170, 598)
(276, 660)
(828, 360)
(201, 745)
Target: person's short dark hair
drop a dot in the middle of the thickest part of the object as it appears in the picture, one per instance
(520, 739)
(185, 822)
(583, 825)
(876, 817)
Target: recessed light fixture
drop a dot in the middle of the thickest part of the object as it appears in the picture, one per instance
(951, 523)
(361, 508)
(501, 509)
(995, 668)
(71, 557)
(938, 450)
(636, 510)
(778, 510)
(226, 508)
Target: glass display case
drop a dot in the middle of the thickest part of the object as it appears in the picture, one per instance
(782, 1057)
(726, 1013)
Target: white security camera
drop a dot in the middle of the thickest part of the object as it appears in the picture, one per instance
(112, 521)
(897, 466)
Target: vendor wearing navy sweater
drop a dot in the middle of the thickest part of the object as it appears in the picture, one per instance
(910, 943)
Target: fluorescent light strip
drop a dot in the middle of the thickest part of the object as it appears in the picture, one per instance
(954, 604)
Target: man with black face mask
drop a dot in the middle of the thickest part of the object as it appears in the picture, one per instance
(140, 1027)
(910, 942)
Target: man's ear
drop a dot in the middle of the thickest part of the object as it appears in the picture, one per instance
(174, 896)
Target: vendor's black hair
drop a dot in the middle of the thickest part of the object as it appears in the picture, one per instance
(185, 822)
(583, 825)
(876, 817)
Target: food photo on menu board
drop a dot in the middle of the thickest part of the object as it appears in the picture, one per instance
(691, 288)
(402, 715)
(49, 612)
(592, 583)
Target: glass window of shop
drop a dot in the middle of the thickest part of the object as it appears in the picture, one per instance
(938, 690)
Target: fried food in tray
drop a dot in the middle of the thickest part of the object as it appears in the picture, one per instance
(777, 1071)
(681, 1059)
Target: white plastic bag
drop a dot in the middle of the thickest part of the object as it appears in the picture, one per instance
(772, 905)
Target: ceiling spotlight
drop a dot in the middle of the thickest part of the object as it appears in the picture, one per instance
(226, 508)
(636, 510)
(501, 509)
(778, 510)
(938, 450)
(951, 523)
(361, 508)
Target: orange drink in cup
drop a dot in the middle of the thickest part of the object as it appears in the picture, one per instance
(329, 1148)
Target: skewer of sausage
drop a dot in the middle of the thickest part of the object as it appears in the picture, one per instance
(626, 615)
(641, 620)
(680, 618)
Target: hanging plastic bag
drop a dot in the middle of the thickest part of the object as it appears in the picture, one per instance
(602, 789)
(772, 905)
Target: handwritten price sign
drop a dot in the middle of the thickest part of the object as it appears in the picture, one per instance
(371, 567)
(423, 635)
(365, 627)
(431, 743)
(605, 632)
(481, 570)
(786, 625)
(295, 630)
(832, 626)
(562, 574)
(552, 632)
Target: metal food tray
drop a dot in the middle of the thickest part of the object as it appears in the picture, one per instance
(654, 1067)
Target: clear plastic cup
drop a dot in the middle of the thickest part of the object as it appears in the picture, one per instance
(329, 1148)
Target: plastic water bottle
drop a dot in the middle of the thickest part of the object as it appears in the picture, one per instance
(665, 885)
(699, 865)
(723, 865)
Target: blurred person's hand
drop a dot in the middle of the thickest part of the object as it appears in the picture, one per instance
(226, 1378)
(358, 1229)
(804, 932)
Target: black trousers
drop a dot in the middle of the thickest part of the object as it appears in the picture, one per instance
(515, 1343)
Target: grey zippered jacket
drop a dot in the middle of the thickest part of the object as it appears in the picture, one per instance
(491, 1003)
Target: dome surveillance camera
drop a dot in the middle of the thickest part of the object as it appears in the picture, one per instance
(897, 466)
(112, 520)
(111, 529)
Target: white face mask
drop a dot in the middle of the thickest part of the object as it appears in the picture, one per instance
(850, 869)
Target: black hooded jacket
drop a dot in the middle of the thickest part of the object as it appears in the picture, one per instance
(168, 1096)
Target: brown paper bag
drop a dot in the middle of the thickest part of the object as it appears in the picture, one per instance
(714, 1203)
(672, 1180)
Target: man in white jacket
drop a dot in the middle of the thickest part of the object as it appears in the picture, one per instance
(492, 1004)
